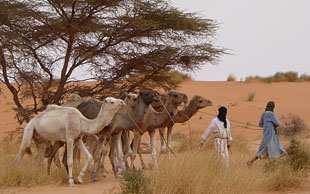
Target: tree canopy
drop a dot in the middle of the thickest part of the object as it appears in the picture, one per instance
(122, 45)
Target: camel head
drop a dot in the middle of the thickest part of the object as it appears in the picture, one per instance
(200, 102)
(148, 96)
(131, 100)
(177, 97)
(113, 103)
(158, 104)
(74, 97)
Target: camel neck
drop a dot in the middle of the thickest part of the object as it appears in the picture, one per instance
(103, 118)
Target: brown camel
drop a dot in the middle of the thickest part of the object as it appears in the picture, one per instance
(154, 120)
(123, 121)
(136, 108)
(184, 115)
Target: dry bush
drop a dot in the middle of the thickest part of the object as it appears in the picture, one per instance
(27, 173)
(231, 77)
(251, 97)
(286, 172)
(292, 125)
(304, 77)
(199, 173)
(135, 182)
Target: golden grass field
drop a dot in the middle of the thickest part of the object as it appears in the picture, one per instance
(191, 170)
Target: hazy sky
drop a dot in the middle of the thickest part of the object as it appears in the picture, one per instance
(264, 36)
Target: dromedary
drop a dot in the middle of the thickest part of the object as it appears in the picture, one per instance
(184, 115)
(154, 120)
(67, 124)
(123, 119)
(126, 121)
(196, 103)
(90, 108)
(43, 145)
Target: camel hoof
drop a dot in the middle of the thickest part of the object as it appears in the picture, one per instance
(94, 180)
(79, 180)
(71, 183)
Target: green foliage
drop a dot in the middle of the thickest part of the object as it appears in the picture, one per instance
(135, 182)
(111, 41)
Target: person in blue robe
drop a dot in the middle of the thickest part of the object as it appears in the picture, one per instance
(270, 142)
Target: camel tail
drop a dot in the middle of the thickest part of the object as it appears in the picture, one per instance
(26, 141)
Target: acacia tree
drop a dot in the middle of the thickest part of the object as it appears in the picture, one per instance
(121, 44)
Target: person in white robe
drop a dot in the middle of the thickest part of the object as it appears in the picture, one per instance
(220, 128)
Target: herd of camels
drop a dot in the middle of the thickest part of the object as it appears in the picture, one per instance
(99, 123)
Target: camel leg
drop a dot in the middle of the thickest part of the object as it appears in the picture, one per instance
(103, 155)
(41, 148)
(140, 156)
(55, 148)
(126, 146)
(88, 159)
(65, 158)
(169, 134)
(70, 160)
(96, 153)
(136, 141)
(153, 145)
(162, 141)
(119, 151)
(112, 154)
(92, 148)
(57, 160)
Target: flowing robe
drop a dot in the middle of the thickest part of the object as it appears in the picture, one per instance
(221, 136)
(271, 139)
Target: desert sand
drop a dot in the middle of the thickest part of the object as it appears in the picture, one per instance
(289, 98)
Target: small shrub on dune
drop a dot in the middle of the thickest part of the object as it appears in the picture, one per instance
(251, 97)
(304, 77)
(285, 172)
(292, 125)
(231, 77)
(135, 182)
(298, 157)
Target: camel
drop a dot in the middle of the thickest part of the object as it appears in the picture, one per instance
(97, 147)
(44, 146)
(136, 107)
(67, 124)
(153, 120)
(196, 103)
(123, 121)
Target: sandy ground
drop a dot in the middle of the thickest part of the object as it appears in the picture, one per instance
(289, 98)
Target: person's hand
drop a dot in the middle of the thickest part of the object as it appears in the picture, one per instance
(201, 143)
(228, 145)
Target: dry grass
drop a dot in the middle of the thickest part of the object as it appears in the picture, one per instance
(27, 173)
(198, 173)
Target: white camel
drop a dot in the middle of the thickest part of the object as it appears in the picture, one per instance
(67, 124)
